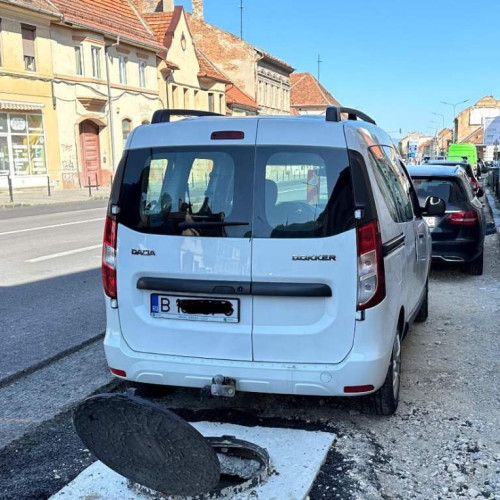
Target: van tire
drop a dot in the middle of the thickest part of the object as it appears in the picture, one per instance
(475, 268)
(423, 312)
(385, 400)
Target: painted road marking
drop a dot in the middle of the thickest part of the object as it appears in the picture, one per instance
(296, 466)
(63, 254)
(39, 228)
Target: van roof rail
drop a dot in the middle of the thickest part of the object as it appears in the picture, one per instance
(334, 114)
(163, 115)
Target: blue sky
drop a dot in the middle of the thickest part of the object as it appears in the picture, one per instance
(394, 59)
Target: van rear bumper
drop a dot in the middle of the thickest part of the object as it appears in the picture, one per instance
(276, 378)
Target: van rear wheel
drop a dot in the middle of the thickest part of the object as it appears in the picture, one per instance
(385, 400)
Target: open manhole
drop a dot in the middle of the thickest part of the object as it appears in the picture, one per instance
(161, 453)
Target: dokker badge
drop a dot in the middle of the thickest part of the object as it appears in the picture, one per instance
(314, 257)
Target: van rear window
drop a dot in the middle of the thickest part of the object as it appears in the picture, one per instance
(238, 192)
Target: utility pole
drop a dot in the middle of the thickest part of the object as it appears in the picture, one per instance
(241, 19)
(319, 61)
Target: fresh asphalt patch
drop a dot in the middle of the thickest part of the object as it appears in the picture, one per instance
(51, 455)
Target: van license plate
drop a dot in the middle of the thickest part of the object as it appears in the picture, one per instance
(195, 308)
(431, 221)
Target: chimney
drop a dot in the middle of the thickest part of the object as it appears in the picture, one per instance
(148, 6)
(197, 7)
(168, 5)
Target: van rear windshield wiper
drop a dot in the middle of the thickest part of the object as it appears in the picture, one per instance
(194, 225)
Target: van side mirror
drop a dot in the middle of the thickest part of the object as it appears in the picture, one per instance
(434, 206)
(480, 193)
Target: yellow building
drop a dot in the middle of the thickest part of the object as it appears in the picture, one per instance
(29, 150)
(105, 84)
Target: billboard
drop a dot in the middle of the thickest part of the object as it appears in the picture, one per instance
(492, 131)
(413, 147)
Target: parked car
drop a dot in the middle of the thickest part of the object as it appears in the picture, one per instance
(457, 235)
(464, 164)
(301, 237)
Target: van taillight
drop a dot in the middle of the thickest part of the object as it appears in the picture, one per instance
(469, 218)
(474, 184)
(371, 276)
(108, 268)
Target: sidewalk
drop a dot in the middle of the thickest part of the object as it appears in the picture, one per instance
(494, 206)
(38, 196)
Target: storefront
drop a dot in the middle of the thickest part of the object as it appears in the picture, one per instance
(22, 145)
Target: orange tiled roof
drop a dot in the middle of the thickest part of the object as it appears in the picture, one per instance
(36, 5)
(208, 69)
(116, 17)
(305, 90)
(235, 95)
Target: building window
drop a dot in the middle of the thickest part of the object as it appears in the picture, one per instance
(196, 100)
(123, 69)
(96, 62)
(211, 104)
(185, 99)
(79, 60)
(28, 34)
(175, 97)
(142, 74)
(221, 104)
(22, 144)
(126, 128)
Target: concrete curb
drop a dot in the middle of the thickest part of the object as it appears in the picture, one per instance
(494, 208)
(20, 204)
(42, 364)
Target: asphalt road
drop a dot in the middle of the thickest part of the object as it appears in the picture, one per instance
(50, 295)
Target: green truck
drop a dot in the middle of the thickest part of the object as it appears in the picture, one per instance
(458, 151)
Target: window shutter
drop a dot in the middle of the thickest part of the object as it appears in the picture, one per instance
(28, 34)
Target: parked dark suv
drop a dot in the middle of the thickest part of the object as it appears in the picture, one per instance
(458, 235)
(464, 163)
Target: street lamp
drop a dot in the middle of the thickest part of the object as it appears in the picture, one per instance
(434, 139)
(442, 130)
(454, 106)
(441, 115)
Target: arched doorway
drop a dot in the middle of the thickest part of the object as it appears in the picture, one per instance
(90, 153)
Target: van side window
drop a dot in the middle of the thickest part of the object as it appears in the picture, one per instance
(404, 182)
(391, 182)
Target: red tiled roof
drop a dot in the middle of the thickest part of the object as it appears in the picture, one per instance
(305, 90)
(208, 69)
(235, 95)
(116, 17)
(159, 22)
(36, 5)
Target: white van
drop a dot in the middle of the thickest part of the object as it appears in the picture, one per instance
(265, 254)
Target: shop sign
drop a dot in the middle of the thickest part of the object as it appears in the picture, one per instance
(17, 124)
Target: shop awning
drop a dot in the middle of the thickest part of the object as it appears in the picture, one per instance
(20, 106)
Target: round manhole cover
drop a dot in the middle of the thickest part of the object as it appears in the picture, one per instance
(147, 444)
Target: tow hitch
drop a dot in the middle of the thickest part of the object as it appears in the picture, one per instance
(223, 386)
